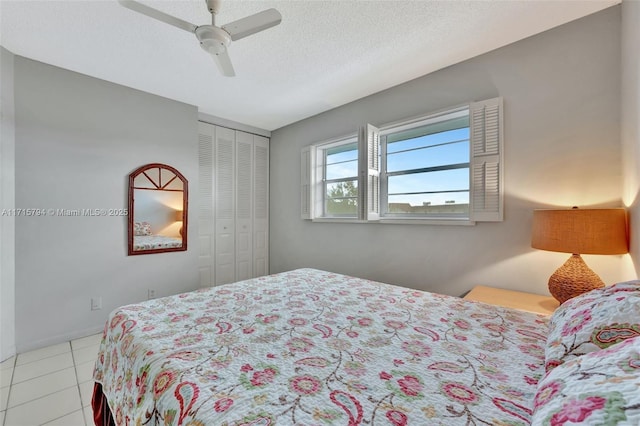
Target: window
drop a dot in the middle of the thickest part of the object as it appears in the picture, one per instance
(338, 174)
(442, 167)
(330, 179)
(425, 167)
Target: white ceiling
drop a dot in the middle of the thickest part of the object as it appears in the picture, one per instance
(324, 54)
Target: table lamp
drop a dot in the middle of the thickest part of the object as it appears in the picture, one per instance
(578, 231)
(179, 218)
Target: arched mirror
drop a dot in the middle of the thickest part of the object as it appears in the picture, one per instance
(158, 200)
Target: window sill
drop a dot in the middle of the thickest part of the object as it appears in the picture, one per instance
(398, 221)
(337, 220)
(424, 221)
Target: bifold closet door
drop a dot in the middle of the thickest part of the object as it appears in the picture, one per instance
(233, 215)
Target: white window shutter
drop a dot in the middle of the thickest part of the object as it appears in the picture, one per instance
(486, 122)
(305, 183)
(369, 177)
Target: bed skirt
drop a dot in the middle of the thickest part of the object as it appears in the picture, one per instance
(101, 412)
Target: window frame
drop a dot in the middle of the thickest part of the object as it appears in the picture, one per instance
(486, 170)
(415, 123)
(319, 186)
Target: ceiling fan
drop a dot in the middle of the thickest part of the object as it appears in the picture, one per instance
(213, 39)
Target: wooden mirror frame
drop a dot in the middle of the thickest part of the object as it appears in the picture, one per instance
(160, 186)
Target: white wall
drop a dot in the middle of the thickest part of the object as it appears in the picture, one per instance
(630, 120)
(7, 202)
(77, 140)
(562, 109)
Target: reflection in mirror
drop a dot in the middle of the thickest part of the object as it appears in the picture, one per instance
(158, 200)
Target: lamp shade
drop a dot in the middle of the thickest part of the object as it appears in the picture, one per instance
(580, 231)
(179, 215)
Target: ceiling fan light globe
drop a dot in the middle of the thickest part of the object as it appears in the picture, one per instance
(213, 47)
(209, 32)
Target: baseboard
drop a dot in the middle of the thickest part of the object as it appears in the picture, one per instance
(60, 338)
(7, 353)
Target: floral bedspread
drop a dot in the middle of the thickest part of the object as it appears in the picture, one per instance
(309, 347)
(151, 242)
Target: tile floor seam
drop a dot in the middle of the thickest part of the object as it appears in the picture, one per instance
(40, 423)
(77, 348)
(4, 419)
(77, 353)
(40, 397)
(13, 358)
(53, 420)
(40, 377)
(39, 359)
(75, 372)
(58, 368)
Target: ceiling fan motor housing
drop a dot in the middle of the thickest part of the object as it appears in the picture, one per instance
(213, 6)
(213, 39)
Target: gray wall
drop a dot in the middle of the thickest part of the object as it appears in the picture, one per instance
(77, 140)
(561, 94)
(7, 202)
(630, 122)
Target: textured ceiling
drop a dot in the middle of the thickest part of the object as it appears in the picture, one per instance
(324, 54)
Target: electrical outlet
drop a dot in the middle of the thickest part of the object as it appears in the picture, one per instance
(96, 303)
(151, 294)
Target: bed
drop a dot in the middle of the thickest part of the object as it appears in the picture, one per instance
(145, 239)
(153, 242)
(310, 347)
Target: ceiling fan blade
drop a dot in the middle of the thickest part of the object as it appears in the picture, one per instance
(156, 14)
(252, 24)
(224, 64)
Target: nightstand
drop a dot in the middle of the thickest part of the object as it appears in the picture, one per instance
(529, 302)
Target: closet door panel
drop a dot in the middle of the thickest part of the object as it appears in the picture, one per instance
(224, 170)
(206, 246)
(261, 206)
(244, 205)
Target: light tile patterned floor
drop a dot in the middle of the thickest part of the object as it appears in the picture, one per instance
(49, 386)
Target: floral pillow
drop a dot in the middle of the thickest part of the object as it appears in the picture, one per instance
(600, 388)
(141, 228)
(593, 321)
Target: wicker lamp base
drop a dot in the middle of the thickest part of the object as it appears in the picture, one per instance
(573, 278)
